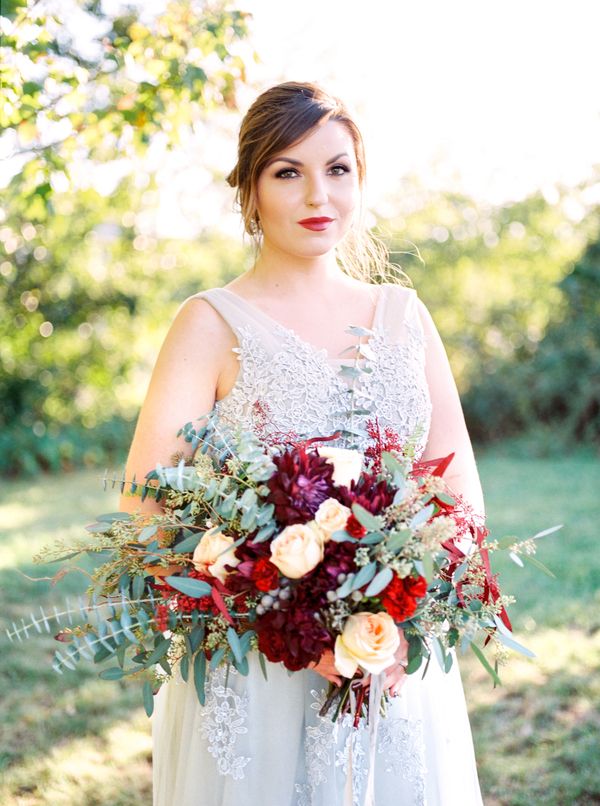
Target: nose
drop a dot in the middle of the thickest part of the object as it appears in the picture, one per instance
(316, 190)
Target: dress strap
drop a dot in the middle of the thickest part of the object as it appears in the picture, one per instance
(240, 315)
(400, 315)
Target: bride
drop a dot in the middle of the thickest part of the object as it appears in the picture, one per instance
(277, 335)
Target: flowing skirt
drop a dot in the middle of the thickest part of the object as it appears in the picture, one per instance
(259, 743)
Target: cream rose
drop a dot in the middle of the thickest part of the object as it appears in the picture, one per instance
(369, 640)
(331, 516)
(297, 549)
(213, 552)
(347, 463)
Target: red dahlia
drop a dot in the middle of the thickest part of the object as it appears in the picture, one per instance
(302, 481)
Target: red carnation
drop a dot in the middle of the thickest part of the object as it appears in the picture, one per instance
(400, 596)
(416, 586)
(265, 575)
(354, 527)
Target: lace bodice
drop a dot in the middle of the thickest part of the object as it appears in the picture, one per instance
(291, 386)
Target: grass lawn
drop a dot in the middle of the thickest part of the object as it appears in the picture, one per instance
(79, 741)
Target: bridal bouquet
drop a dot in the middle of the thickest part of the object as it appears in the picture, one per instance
(288, 549)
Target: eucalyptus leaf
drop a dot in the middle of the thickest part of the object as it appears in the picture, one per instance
(346, 587)
(364, 575)
(422, 516)
(148, 698)
(217, 657)
(381, 581)
(486, 664)
(366, 518)
(114, 673)
(195, 588)
(516, 559)
(200, 676)
(234, 642)
(541, 566)
(188, 544)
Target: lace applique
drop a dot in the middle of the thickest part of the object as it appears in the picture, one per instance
(306, 394)
(321, 751)
(222, 720)
(402, 742)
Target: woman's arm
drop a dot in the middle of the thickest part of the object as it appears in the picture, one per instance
(448, 432)
(182, 388)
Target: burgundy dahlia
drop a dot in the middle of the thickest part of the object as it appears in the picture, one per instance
(371, 494)
(302, 481)
(292, 636)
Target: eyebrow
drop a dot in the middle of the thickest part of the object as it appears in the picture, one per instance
(297, 162)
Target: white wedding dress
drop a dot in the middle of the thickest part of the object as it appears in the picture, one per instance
(259, 743)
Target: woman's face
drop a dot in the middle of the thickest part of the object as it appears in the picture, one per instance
(316, 178)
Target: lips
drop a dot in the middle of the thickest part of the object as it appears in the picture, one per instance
(316, 223)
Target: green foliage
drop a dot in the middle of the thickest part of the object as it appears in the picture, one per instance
(521, 340)
(86, 291)
(559, 383)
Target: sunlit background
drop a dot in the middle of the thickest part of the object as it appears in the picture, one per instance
(482, 128)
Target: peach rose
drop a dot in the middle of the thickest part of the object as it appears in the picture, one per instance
(297, 549)
(347, 463)
(331, 516)
(369, 640)
(213, 552)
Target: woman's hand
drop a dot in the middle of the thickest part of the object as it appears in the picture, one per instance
(326, 668)
(395, 675)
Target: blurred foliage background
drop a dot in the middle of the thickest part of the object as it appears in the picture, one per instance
(89, 286)
(95, 100)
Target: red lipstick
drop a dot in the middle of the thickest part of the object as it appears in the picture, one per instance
(316, 224)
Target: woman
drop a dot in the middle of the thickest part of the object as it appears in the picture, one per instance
(275, 338)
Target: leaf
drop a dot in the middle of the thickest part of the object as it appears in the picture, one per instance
(196, 637)
(486, 664)
(188, 544)
(357, 330)
(217, 657)
(422, 516)
(506, 637)
(148, 698)
(366, 574)
(200, 676)
(114, 516)
(547, 531)
(263, 665)
(346, 586)
(158, 652)
(195, 588)
(234, 642)
(114, 673)
(371, 539)
(428, 565)
(381, 581)
(515, 558)
(147, 532)
(137, 586)
(100, 528)
(397, 539)
(365, 518)
(541, 566)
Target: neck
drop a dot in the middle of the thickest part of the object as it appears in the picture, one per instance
(282, 272)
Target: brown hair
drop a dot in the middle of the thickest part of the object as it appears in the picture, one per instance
(280, 117)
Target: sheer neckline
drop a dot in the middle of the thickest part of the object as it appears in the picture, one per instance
(322, 350)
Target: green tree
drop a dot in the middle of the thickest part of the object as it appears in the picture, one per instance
(75, 268)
